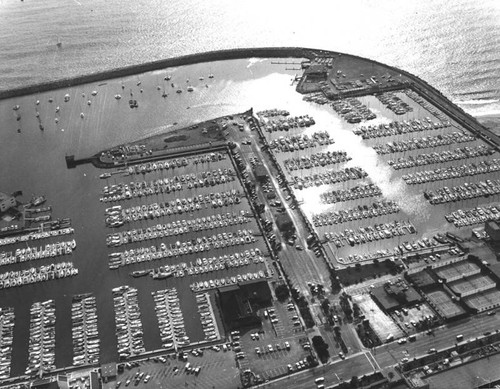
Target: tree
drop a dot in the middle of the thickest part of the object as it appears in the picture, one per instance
(390, 375)
(321, 348)
(282, 292)
(325, 305)
(311, 360)
(354, 382)
(356, 310)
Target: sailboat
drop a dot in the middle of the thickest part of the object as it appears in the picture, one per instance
(59, 43)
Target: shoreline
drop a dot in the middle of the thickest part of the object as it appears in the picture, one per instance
(190, 59)
(421, 86)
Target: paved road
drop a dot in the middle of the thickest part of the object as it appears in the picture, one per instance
(443, 337)
(390, 354)
(333, 373)
(301, 266)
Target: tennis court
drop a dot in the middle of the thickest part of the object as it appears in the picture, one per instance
(457, 270)
(444, 305)
(483, 300)
(470, 285)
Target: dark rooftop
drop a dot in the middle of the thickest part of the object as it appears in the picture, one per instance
(391, 297)
(495, 270)
(493, 225)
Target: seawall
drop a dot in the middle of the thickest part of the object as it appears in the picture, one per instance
(219, 55)
(432, 94)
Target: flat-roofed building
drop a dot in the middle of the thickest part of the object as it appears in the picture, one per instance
(492, 229)
(6, 202)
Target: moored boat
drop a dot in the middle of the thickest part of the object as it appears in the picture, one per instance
(139, 273)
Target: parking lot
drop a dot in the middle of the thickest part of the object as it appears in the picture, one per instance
(277, 347)
(217, 370)
(409, 317)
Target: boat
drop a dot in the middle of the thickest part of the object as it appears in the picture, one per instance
(118, 97)
(105, 175)
(179, 91)
(210, 75)
(36, 201)
(139, 273)
(160, 275)
(81, 296)
(190, 88)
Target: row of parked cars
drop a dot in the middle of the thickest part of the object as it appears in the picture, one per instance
(270, 348)
(302, 364)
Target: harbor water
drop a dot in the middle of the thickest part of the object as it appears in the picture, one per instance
(35, 163)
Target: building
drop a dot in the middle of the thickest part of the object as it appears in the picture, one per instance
(493, 230)
(240, 303)
(6, 202)
(59, 382)
(394, 296)
(108, 371)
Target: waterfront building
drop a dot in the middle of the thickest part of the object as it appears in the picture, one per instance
(6, 202)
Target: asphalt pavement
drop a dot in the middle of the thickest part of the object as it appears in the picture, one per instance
(333, 373)
(301, 266)
(443, 337)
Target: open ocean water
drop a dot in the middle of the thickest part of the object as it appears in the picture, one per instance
(453, 44)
